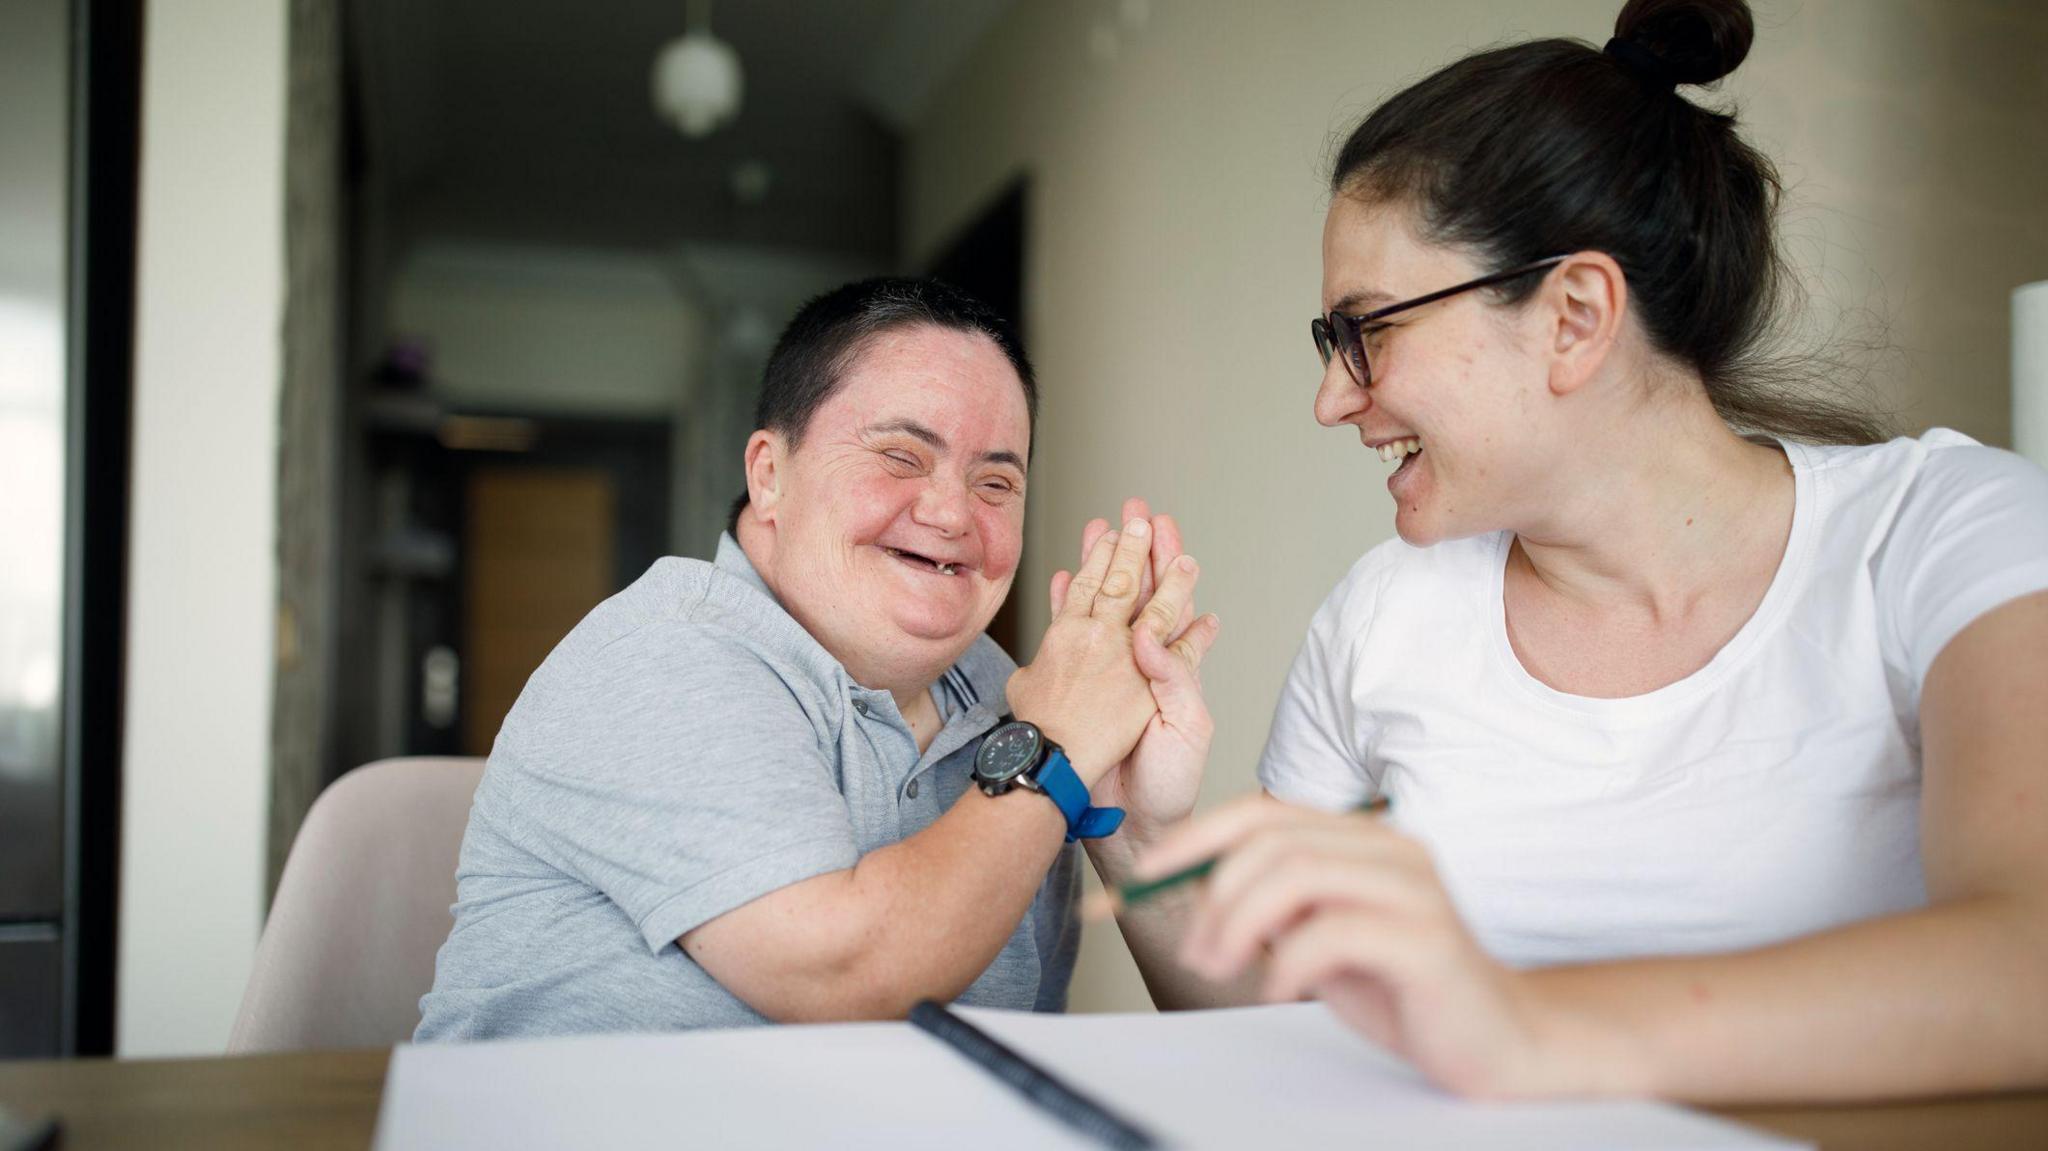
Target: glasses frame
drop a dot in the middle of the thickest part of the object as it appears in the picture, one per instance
(1338, 331)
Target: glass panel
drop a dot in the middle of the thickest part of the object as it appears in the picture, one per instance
(34, 60)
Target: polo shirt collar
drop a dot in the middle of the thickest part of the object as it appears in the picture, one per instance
(732, 560)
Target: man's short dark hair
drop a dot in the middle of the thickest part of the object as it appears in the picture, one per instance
(810, 361)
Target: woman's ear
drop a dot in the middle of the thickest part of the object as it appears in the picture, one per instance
(1585, 300)
(767, 453)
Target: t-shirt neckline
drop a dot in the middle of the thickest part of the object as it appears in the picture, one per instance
(1675, 696)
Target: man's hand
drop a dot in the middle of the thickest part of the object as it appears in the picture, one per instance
(1084, 688)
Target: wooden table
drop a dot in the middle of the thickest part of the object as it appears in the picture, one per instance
(328, 1099)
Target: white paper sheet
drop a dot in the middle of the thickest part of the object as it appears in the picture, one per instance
(1286, 1076)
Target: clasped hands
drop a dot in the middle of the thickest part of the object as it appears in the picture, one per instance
(1116, 679)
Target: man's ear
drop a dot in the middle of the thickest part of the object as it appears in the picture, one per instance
(767, 461)
(1584, 304)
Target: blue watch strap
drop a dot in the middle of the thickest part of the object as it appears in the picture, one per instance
(1056, 778)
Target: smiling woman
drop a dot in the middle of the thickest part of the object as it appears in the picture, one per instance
(1712, 727)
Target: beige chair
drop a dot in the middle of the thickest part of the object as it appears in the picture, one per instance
(361, 910)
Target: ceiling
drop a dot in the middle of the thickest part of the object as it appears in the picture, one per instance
(529, 121)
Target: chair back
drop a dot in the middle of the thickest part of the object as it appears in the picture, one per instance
(361, 910)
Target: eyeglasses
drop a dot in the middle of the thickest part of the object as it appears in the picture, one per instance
(1338, 331)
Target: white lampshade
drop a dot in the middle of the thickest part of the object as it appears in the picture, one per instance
(2030, 371)
(697, 83)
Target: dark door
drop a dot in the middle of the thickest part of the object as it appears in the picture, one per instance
(987, 259)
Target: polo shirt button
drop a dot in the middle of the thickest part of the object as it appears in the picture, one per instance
(911, 791)
(861, 706)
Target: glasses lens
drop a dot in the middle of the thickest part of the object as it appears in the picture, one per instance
(1336, 332)
(1345, 335)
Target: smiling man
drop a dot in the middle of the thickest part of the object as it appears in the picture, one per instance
(762, 788)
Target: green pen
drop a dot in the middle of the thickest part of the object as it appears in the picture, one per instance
(1103, 905)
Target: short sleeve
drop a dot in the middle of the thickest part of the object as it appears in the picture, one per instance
(677, 772)
(1971, 534)
(1316, 753)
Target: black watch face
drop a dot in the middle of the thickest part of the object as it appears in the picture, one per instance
(1006, 752)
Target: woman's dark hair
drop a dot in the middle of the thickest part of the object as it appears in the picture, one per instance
(1555, 146)
(828, 333)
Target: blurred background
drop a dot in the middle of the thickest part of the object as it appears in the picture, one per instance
(351, 352)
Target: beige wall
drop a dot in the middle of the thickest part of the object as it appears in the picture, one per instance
(1177, 166)
(202, 567)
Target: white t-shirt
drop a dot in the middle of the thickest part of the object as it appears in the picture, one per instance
(1773, 793)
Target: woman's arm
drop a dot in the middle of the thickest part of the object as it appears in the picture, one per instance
(1158, 783)
(1952, 998)
(1947, 999)
(1155, 930)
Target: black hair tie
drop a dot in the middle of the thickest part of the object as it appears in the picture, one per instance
(1648, 67)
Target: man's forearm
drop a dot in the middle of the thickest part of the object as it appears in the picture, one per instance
(922, 918)
(938, 906)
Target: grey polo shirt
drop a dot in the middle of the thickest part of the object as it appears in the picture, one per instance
(687, 749)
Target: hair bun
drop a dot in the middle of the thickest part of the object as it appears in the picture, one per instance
(1698, 41)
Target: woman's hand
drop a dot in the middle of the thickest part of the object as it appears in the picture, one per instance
(1158, 782)
(1348, 910)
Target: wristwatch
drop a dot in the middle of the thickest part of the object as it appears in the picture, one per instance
(1017, 754)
